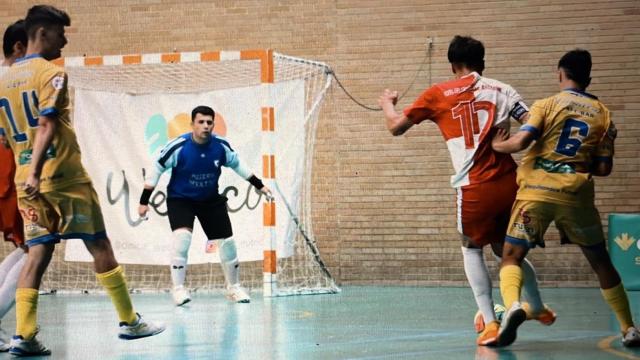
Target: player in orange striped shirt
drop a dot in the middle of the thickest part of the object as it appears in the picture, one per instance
(468, 111)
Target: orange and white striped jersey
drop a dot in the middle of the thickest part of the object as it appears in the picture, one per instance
(569, 128)
(468, 111)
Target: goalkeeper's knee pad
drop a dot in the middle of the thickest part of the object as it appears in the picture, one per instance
(181, 243)
(229, 260)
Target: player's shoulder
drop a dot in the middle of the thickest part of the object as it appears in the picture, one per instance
(221, 140)
(456, 86)
(178, 141)
(549, 101)
(496, 85)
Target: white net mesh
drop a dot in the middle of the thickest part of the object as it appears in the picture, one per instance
(302, 273)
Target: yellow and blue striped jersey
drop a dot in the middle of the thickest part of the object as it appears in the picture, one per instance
(31, 87)
(569, 128)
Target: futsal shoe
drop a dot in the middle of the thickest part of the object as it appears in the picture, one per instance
(180, 295)
(139, 329)
(631, 337)
(489, 336)
(32, 347)
(4, 341)
(478, 319)
(514, 317)
(235, 293)
(546, 316)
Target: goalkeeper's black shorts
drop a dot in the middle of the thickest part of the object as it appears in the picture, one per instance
(213, 216)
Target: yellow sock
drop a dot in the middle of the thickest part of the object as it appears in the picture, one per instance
(26, 312)
(114, 282)
(510, 284)
(617, 299)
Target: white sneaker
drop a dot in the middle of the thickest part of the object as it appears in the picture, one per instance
(32, 347)
(631, 337)
(4, 341)
(180, 295)
(236, 293)
(141, 328)
(509, 326)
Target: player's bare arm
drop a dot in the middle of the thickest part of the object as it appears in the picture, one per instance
(396, 122)
(44, 137)
(503, 143)
(602, 166)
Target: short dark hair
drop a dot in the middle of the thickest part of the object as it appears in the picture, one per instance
(15, 33)
(202, 109)
(467, 51)
(577, 66)
(44, 15)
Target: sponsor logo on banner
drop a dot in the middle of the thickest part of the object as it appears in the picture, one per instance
(625, 241)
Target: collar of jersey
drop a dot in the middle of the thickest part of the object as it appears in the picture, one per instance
(580, 92)
(28, 57)
(197, 143)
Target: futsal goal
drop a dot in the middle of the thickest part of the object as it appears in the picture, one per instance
(126, 108)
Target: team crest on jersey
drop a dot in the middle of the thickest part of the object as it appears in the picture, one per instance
(58, 82)
(216, 163)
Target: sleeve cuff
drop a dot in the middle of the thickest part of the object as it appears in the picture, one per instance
(603, 159)
(531, 129)
(50, 112)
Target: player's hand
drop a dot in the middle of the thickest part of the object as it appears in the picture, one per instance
(388, 97)
(32, 186)
(501, 135)
(267, 193)
(142, 211)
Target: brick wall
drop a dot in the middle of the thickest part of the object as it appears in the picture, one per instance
(384, 211)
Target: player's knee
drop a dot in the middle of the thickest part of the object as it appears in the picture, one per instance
(181, 243)
(228, 250)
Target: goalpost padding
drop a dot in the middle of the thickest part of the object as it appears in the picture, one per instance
(178, 73)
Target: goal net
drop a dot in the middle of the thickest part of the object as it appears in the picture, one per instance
(126, 108)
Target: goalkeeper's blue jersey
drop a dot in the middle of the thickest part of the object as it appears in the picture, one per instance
(196, 168)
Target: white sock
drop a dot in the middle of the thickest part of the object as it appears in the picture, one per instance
(480, 281)
(181, 243)
(8, 262)
(10, 283)
(530, 287)
(229, 261)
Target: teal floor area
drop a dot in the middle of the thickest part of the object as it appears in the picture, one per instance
(359, 323)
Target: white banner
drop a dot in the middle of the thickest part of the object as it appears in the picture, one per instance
(120, 135)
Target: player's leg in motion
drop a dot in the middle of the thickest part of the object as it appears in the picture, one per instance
(479, 279)
(25, 342)
(613, 291)
(181, 244)
(9, 272)
(111, 277)
(511, 279)
(231, 269)
(535, 308)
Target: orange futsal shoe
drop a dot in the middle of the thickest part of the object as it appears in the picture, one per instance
(489, 336)
(546, 316)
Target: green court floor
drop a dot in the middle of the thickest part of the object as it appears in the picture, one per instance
(359, 323)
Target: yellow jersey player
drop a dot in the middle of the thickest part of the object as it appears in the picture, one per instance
(574, 139)
(55, 195)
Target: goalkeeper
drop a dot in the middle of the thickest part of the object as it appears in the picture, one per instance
(196, 159)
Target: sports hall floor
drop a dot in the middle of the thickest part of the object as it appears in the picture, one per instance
(359, 323)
